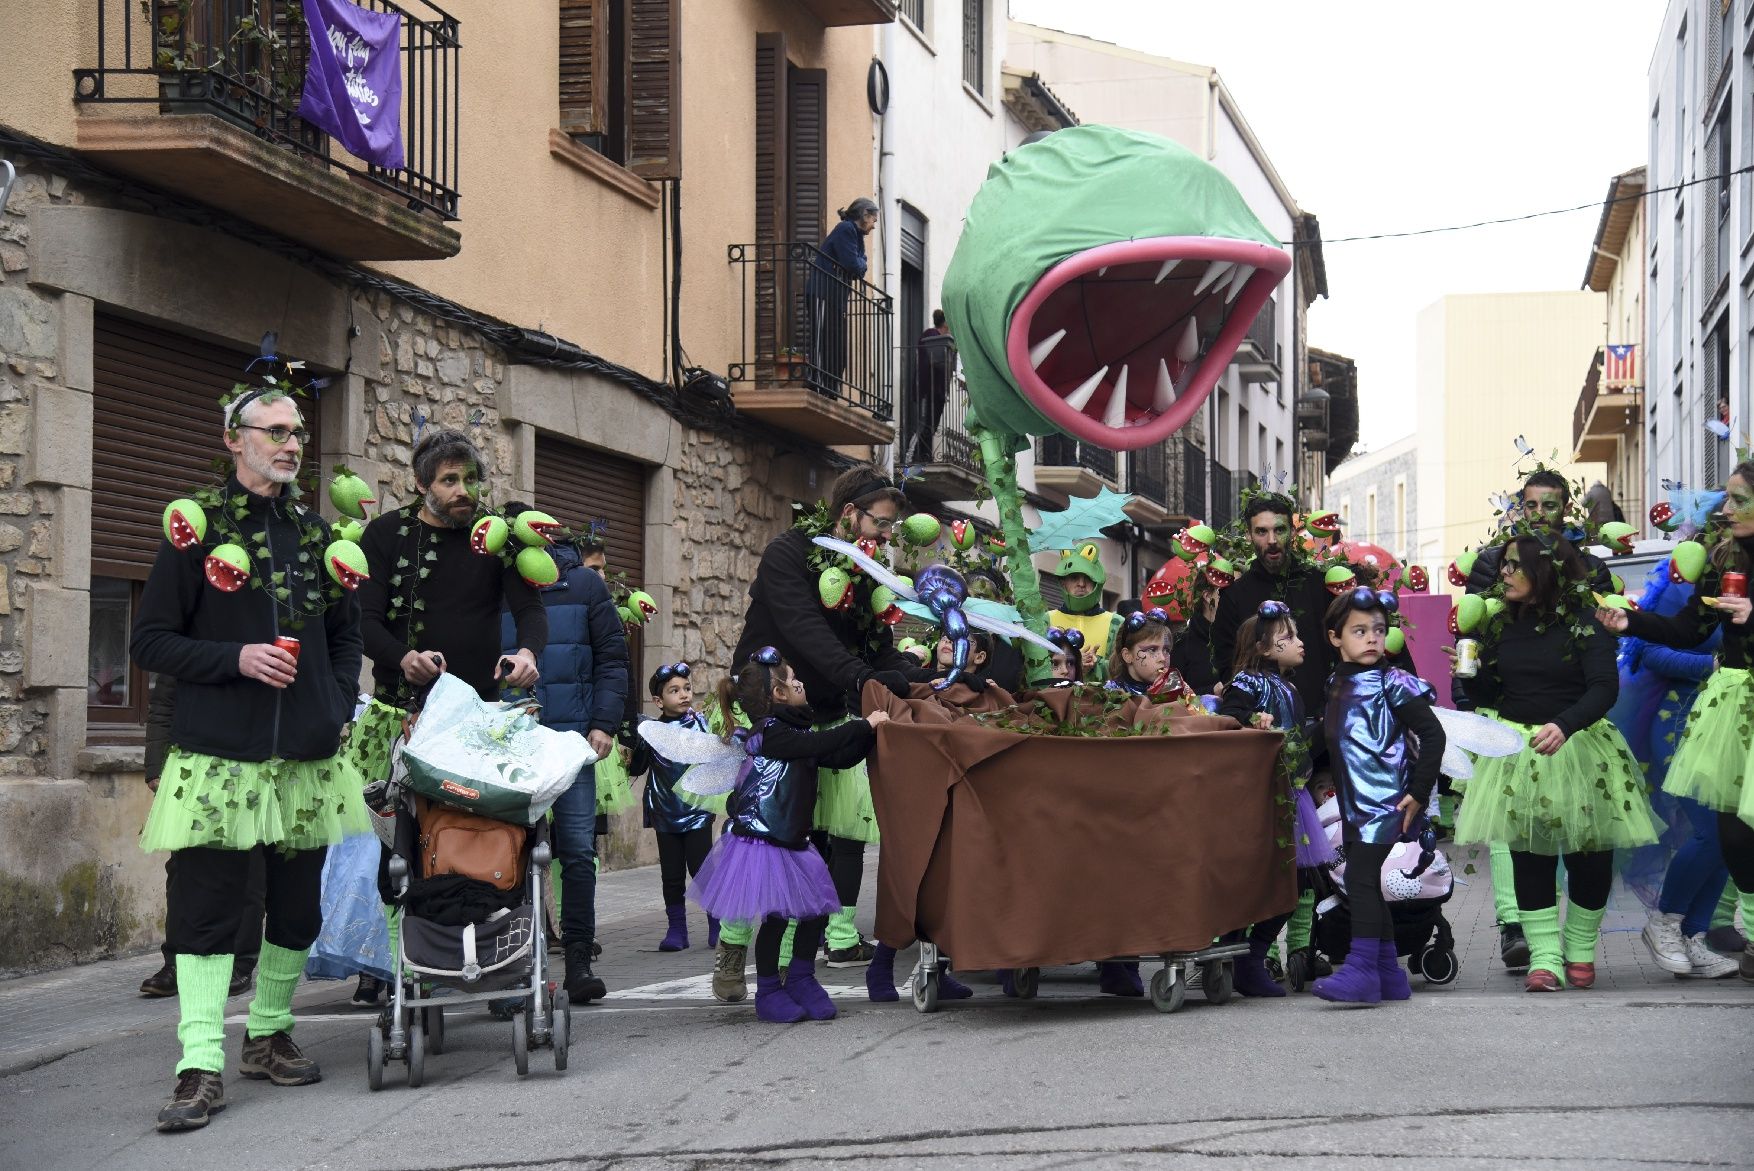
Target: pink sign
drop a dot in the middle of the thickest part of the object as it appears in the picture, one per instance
(1427, 623)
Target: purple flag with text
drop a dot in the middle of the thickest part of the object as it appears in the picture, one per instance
(353, 86)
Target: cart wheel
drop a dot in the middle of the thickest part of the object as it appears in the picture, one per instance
(1438, 966)
(1217, 979)
(435, 1029)
(374, 1058)
(562, 1036)
(1167, 995)
(1297, 970)
(1027, 982)
(926, 989)
(521, 1041)
(416, 1052)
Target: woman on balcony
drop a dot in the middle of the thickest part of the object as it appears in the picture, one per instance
(838, 265)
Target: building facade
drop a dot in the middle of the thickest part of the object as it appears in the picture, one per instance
(1376, 494)
(573, 262)
(1608, 424)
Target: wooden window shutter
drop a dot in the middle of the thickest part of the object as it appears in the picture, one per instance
(807, 95)
(770, 189)
(583, 74)
(155, 434)
(654, 84)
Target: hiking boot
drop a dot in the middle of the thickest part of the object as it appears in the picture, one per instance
(365, 995)
(161, 983)
(856, 956)
(277, 1058)
(582, 986)
(1513, 946)
(1726, 940)
(199, 1095)
(729, 982)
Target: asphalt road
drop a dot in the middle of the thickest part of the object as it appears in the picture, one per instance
(1644, 1070)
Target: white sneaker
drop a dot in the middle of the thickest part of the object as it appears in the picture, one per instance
(1707, 964)
(1662, 934)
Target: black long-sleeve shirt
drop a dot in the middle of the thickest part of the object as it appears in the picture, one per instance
(1300, 588)
(1536, 672)
(1695, 621)
(457, 603)
(1193, 656)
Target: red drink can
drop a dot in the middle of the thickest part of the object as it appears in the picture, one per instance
(288, 644)
(1734, 585)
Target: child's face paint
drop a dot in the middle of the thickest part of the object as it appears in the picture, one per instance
(1062, 665)
(1146, 661)
(1739, 506)
(1286, 650)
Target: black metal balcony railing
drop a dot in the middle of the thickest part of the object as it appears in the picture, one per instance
(1148, 473)
(1062, 451)
(244, 60)
(934, 407)
(1223, 496)
(1193, 476)
(1263, 333)
(804, 321)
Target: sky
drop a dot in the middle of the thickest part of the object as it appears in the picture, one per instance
(1387, 117)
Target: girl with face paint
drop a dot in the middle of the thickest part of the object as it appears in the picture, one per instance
(1715, 755)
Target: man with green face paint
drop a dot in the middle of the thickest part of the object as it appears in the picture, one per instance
(1081, 573)
(1277, 573)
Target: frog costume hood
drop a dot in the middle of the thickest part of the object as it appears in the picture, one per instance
(1085, 559)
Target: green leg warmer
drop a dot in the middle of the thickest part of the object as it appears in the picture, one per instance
(736, 933)
(1725, 915)
(786, 944)
(202, 982)
(277, 974)
(395, 927)
(554, 887)
(1582, 929)
(1297, 929)
(841, 931)
(1541, 929)
(1503, 888)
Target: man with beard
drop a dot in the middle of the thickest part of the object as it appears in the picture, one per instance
(432, 605)
(1277, 573)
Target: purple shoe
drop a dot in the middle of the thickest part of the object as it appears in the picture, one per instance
(1390, 974)
(773, 1004)
(950, 988)
(712, 933)
(1251, 975)
(803, 987)
(1116, 978)
(1007, 981)
(676, 939)
(880, 976)
(1356, 981)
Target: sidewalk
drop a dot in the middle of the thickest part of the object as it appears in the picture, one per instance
(48, 1016)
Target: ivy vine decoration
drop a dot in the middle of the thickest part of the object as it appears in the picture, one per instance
(815, 521)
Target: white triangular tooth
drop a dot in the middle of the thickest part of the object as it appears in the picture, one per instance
(1165, 396)
(1103, 271)
(1116, 415)
(1238, 279)
(1080, 398)
(1188, 347)
(1168, 267)
(1214, 270)
(1038, 353)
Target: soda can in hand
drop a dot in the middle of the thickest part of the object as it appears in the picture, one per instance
(288, 644)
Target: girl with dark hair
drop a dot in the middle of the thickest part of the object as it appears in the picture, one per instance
(1141, 652)
(1382, 780)
(1068, 660)
(1547, 670)
(764, 870)
(1715, 755)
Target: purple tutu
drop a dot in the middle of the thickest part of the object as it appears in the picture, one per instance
(749, 879)
(1313, 847)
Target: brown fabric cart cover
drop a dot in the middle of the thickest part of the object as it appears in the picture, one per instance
(1011, 848)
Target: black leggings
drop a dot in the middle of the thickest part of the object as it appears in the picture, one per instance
(209, 889)
(804, 943)
(846, 864)
(249, 938)
(1736, 839)
(675, 851)
(1370, 913)
(1589, 877)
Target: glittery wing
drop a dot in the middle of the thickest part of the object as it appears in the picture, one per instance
(715, 763)
(1008, 629)
(879, 572)
(1470, 732)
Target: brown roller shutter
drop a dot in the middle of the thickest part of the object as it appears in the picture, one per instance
(584, 74)
(654, 84)
(579, 484)
(155, 433)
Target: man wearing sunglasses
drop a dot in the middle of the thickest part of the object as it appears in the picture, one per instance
(1277, 573)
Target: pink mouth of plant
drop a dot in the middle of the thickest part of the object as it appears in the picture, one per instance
(1120, 344)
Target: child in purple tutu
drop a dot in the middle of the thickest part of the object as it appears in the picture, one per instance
(1260, 695)
(764, 870)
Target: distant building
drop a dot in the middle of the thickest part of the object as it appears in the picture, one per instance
(1608, 422)
(1376, 495)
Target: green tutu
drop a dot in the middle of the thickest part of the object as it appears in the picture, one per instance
(234, 805)
(614, 786)
(366, 746)
(1716, 748)
(843, 799)
(1588, 796)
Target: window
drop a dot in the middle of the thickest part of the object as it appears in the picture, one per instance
(974, 45)
(915, 11)
(1720, 166)
(621, 82)
(1401, 543)
(1680, 303)
(1346, 513)
(1370, 516)
(1714, 401)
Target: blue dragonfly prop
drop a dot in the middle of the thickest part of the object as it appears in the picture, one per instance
(942, 591)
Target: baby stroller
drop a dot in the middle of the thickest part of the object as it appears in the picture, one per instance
(458, 931)
(1415, 909)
